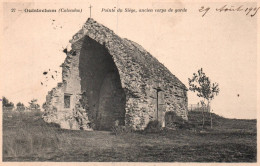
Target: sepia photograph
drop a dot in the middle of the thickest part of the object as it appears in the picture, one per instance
(117, 81)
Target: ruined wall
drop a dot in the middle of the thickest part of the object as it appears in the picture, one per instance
(98, 51)
(139, 72)
(75, 116)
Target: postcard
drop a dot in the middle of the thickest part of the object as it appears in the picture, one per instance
(129, 82)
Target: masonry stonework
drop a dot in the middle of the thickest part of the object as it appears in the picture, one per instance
(106, 78)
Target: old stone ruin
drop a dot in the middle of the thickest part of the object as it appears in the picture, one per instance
(108, 79)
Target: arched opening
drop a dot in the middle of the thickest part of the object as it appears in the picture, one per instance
(111, 102)
(101, 85)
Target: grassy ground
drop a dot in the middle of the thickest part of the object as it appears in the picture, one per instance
(26, 137)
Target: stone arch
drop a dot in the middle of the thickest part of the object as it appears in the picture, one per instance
(101, 84)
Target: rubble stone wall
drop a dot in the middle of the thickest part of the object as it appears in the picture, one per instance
(96, 53)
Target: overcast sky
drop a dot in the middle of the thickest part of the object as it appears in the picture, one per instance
(224, 45)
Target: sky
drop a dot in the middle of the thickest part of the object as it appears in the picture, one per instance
(223, 44)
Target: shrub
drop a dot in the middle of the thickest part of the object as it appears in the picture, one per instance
(51, 124)
(20, 107)
(37, 113)
(153, 127)
(187, 125)
(120, 129)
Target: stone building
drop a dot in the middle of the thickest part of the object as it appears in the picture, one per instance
(108, 79)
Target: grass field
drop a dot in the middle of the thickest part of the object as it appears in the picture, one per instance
(26, 137)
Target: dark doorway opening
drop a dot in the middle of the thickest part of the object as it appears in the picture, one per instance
(100, 81)
(66, 101)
